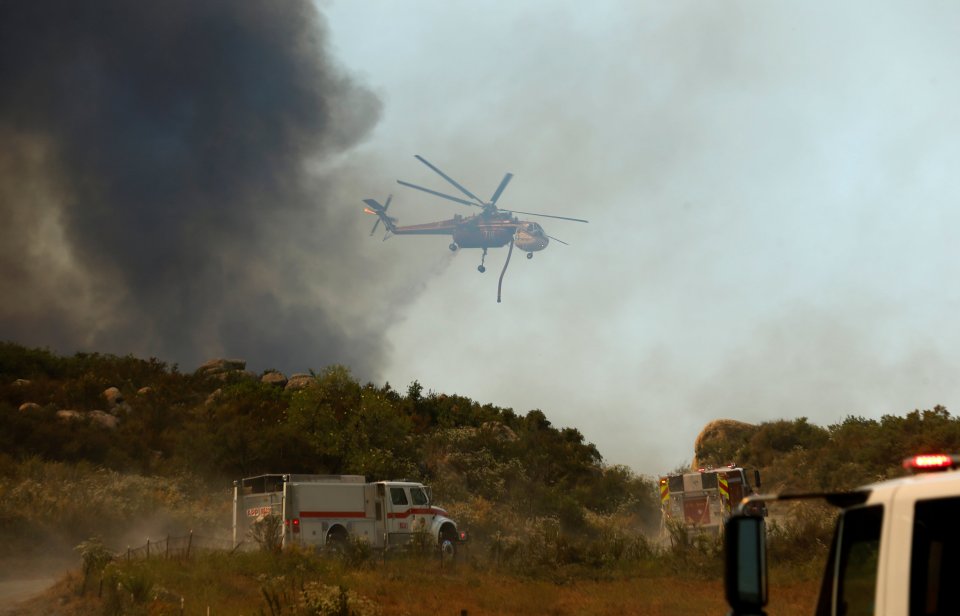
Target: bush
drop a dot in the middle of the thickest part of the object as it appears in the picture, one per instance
(95, 557)
(267, 532)
(322, 600)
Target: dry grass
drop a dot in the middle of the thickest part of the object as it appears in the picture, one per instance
(417, 587)
(491, 593)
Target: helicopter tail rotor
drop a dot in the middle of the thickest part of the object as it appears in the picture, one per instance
(381, 212)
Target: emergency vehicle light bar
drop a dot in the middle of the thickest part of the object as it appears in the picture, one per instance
(926, 463)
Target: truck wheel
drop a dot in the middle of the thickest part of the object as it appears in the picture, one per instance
(448, 544)
(448, 549)
(337, 540)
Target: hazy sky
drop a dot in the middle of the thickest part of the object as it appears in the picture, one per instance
(771, 191)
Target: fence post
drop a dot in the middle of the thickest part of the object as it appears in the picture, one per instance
(128, 552)
(189, 543)
(167, 552)
(148, 549)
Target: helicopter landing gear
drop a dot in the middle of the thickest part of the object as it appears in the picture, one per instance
(529, 255)
(454, 247)
(481, 268)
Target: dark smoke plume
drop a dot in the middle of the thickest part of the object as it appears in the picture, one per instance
(162, 183)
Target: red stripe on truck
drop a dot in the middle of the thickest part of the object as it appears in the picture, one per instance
(410, 512)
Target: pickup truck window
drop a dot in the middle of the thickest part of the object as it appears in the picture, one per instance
(854, 567)
(935, 557)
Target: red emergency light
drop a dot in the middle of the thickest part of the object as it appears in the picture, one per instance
(929, 462)
(296, 525)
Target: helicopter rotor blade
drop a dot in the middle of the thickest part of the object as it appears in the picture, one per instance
(549, 216)
(439, 194)
(369, 211)
(450, 179)
(558, 240)
(503, 184)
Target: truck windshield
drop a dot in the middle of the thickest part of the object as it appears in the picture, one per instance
(419, 498)
(850, 581)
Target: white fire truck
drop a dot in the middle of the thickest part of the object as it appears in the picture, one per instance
(895, 551)
(701, 500)
(326, 510)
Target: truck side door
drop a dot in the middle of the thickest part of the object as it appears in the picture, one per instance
(398, 514)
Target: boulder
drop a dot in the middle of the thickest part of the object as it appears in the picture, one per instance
(30, 407)
(274, 378)
(221, 366)
(500, 431)
(104, 419)
(21, 382)
(299, 381)
(145, 391)
(68, 415)
(214, 396)
(113, 396)
(719, 441)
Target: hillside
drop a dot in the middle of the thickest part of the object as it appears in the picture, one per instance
(130, 437)
(129, 449)
(83, 422)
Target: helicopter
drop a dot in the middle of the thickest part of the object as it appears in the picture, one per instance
(489, 228)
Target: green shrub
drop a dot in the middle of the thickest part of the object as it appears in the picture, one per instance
(267, 532)
(95, 557)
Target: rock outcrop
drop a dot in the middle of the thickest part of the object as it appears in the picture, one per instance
(274, 378)
(104, 419)
(719, 441)
(224, 369)
(299, 381)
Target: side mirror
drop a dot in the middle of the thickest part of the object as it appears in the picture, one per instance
(745, 543)
(756, 477)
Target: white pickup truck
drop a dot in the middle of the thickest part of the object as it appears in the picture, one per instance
(895, 551)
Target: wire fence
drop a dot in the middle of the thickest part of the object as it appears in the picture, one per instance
(178, 548)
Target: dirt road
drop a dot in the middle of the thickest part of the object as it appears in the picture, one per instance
(14, 592)
(25, 579)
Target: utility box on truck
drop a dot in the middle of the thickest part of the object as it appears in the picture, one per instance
(895, 550)
(327, 510)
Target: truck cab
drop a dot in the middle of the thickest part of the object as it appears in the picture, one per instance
(895, 550)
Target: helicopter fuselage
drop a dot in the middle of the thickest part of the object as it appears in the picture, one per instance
(483, 232)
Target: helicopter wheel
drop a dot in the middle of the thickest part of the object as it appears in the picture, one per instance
(481, 269)
(529, 255)
(453, 247)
